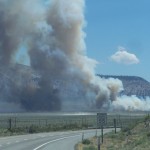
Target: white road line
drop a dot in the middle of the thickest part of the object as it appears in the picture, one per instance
(54, 141)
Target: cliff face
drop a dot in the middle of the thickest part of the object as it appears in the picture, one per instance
(133, 85)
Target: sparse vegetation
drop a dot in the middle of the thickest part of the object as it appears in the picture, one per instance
(26, 123)
(89, 148)
(86, 142)
(147, 118)
(133, 137)
(148, 134)
(37, 129)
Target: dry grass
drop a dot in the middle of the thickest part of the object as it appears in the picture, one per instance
(136, 139)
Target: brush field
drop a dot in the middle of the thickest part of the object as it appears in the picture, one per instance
(132, 137)
(41, 122)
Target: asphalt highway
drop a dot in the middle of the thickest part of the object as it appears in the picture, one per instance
(47, 141)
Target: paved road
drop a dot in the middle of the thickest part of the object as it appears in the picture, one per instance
(46, 141)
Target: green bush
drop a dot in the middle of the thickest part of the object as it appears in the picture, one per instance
(138, 142)
(111, 135)
(86, 142)
(33, 129)
(129, 128)
(125, 129)
(147, 118)
(148, 134)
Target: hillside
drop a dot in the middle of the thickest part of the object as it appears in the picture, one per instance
(133, 137)
(133, 85)
(20, 87)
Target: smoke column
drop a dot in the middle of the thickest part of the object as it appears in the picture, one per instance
(61, 76)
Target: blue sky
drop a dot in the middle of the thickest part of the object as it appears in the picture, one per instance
(119, 24)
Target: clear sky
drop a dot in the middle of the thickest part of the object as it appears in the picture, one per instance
(118, 36)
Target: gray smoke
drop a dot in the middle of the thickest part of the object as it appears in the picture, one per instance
(53, 36)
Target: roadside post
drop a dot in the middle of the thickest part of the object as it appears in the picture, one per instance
(15, 122)
(82, 136)
(115, 125)
(102, 134)
(96, 133)
(10, 123)
(98, 143)
(120, 122)
(101, 121)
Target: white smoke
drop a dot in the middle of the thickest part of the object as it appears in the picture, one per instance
(131, 103)
(52, 32)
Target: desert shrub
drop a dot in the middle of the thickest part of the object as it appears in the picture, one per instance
(86, 142)
(138, 142)
(147, 118)
(129, 128)
(111, 135)
(33, 129)
(19, 130)
(148, 134)
(125, 129)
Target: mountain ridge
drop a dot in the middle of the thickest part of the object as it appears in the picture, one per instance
(133, 85)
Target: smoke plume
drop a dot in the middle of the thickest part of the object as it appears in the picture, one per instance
(131, 103)
(60, 76)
